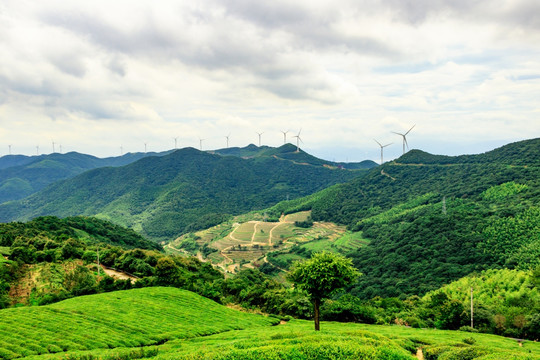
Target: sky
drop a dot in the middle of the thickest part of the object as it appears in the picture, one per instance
(105, 77)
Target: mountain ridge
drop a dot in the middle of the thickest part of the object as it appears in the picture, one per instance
(21, 176)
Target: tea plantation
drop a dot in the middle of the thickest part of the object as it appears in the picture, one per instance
(131, 318)
(168, 323)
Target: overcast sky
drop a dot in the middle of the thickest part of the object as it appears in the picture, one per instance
(93, 76)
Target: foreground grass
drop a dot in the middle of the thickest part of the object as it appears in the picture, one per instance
(132, 318)
(297, 340)
(168, 323)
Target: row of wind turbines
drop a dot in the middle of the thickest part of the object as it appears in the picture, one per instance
(405, 143)
(259, 134)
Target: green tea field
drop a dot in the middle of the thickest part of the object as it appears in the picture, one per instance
(168, 323)
(123, 319)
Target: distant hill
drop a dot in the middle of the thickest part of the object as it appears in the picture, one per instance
(289, 152)
(21, 176)
(163, 197)
(431, 219)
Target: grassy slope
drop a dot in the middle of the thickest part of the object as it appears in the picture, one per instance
(172, 323)
(130, 318)
(297, 340)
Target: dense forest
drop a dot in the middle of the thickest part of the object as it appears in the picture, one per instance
(431, 219)
(163, 197)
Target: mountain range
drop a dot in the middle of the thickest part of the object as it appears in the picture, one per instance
(21, 176)
(164, 196)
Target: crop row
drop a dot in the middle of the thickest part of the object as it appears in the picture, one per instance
(120, 319)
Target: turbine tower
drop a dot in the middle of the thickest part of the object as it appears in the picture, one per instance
(227, 137)
(60, 148)
(145, 144)
(382, 147)
(9, 146)
(37, 149)
(53, 150)
(259, 137)
(200, 143)
(298, 139)
(404, 138)
(284, 136)
(175, 142)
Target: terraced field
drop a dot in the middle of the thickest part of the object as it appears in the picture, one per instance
(122, 319)
(299, 216)
(244, 232)
(346, 242)
(246, 242)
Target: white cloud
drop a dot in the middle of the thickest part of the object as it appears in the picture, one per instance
(100, 74)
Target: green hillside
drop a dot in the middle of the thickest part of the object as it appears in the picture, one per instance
(122, 319)
(163, 197)
(49, 259)
(21, 176)
(431, 219)
(168, 323)
(505, 301)
(87, 229)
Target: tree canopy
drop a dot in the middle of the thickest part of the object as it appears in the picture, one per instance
(321, 276)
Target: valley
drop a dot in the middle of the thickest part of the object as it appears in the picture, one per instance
(242, 243)
(192, 229)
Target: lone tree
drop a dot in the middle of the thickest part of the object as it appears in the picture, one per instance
(321, 276)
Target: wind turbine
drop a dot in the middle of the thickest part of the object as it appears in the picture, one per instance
(227, 137)
(9, 146)
(175, 142)
(145, 144)
(285, 136)
(37, 149)
(200, 143)
(259, 137)
(60, 148)
(53, 150)
(382, 147)
(404, 138)
(298, 139)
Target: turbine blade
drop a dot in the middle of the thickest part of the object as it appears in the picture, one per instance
(410, 129)
(377, 142)
(397, 133)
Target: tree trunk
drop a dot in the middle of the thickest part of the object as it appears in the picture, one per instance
(316, 303)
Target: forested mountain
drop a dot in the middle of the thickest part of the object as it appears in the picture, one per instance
(162, 197)
(21, 176)
(432, 219)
